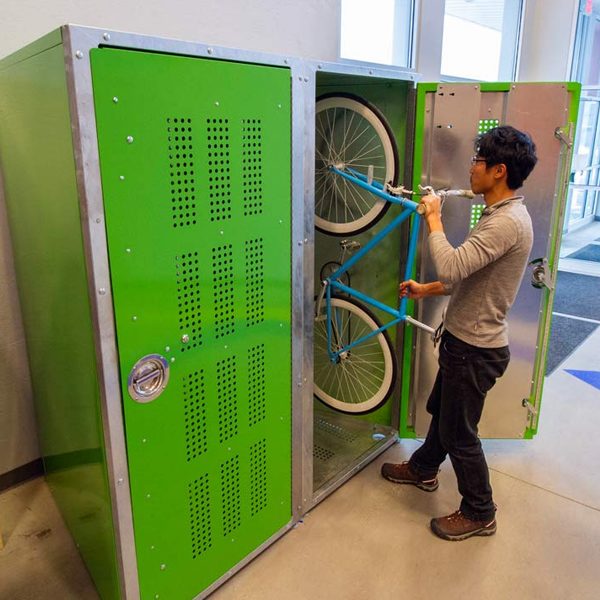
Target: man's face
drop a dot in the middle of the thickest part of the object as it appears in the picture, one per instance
(481, 176)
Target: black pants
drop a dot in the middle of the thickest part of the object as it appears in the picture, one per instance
(466, 373)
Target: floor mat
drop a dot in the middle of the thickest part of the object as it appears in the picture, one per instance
(577, 295)
(565, 336)
(589, 252)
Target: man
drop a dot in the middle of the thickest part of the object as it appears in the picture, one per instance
(482, 277)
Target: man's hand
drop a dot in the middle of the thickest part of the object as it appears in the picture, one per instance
(433, 212)
(416, 291)
(412, 289)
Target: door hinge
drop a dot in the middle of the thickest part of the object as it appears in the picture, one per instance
(542, 275)
(531, 409)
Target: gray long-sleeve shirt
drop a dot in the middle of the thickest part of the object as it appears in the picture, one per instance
(483, 274)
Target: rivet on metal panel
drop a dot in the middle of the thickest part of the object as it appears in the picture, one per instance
(286, 61)
(98, 220)
(306, 79)
(134, 318)
(120, 481)
(156, 596)
(79, 54)
(144, 440)
(167, 348)
(106, 36)
(152, 547)
(370, 71)
(115, 99)
(217, 103)
(300, 77)
(514, 87)
(229, 449)
(221, 232)
(185, 338)
(280, 324)
(210, 50)
(130, 139)
(163, 567)
(128, 250)
(122, 177)
(280, 221)
(279, 106)
(306, 240)
(102, 291)
(299, 384)
(225, 347)
(300, 243)
(233, 539)
(172, 359)
(148, 496)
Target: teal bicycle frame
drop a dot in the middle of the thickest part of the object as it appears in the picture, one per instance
(410, 208)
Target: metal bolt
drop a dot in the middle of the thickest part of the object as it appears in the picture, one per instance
(148, 496)
(370, 71)
(128, 250)
(102, 291)
(152, 547)
(130, 139)
(79, 54)
(210, 50)
(98, 220)
(286, 61)
(120, 481)
(300, 78)
(144, 440)
(280, 324)
(173, 359)
(300, 243)
(115, 99)
(134, 318)
(106, 36)
(163, 567)
(306, 79)
(185, 338)
(299, 384)
(122, 177)
(306, 240)
(280, 221)
(279, 106)
(221, 232)
(217, 103)
(319, 66)
(167, 348)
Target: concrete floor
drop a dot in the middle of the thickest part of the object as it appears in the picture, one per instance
(370, 539)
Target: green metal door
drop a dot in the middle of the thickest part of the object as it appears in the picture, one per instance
(195, 165)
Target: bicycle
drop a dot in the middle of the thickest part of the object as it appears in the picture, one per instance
(354, 363)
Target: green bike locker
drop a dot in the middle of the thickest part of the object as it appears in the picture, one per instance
(149, 192)
(161, 204)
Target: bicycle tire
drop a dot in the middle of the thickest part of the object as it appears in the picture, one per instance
(331, 267)
(364, 379)
(351, 131)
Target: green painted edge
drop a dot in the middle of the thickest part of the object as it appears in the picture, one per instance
(406, 430)
(574, 89)
(495, 86)
(54, 38)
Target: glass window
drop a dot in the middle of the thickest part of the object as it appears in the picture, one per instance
(480, 39)
(378, 31)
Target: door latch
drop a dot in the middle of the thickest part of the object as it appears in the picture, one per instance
(148, 378)
(541, 276)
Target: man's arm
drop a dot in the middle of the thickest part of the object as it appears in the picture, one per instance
(416, 291)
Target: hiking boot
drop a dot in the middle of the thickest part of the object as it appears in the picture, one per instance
(402, 473)
(456, 527)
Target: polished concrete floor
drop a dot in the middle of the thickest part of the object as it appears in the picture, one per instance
(370, 539)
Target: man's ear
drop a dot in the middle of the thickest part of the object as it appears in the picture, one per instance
(500, 171)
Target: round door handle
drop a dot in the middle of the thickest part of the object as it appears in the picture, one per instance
(148, 378)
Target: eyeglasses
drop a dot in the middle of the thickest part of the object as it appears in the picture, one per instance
(475, 159)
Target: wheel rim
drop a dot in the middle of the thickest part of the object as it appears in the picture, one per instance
(349, 133)
(362, 380)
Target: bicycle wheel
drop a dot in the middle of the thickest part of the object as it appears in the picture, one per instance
(350, 132)
(363, 378)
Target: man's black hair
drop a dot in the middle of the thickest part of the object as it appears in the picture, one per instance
(511, 147)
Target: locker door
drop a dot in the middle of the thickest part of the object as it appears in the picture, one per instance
(449, 117)
(195, 164)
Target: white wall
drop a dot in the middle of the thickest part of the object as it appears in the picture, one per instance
(306, 28)
(548, 35)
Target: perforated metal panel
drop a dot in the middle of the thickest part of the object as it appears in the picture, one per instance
(195, 162)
